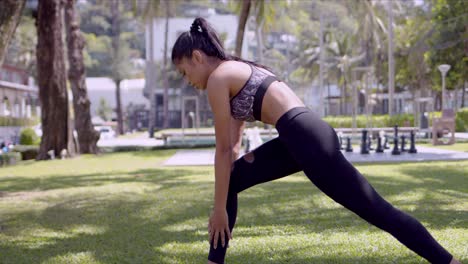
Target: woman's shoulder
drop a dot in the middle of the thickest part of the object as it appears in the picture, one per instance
(231, 70)
(232, 66)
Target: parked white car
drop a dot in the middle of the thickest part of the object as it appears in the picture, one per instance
(106, 132)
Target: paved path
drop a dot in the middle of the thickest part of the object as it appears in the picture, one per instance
(124, 142)
(461, 135)
(206, 156)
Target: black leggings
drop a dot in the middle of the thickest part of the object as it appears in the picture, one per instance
(307, 143)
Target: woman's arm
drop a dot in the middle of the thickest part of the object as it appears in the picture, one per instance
(237, 130)
(218, 96)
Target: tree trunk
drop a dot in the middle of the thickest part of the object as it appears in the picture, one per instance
(244, 15)
(463, 94)
(10, 15)
(391, 62)
(56, 125)
(164, 71)
(151, 78)
(119, 107)
(341, 92)
(115, 24)
(438, 101)
(345, 94)
(87, 135)
(259, 31)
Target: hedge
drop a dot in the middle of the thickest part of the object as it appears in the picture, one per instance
(376, 120)
(27, 152)
(462, 120)
(14, 121)
(402, 120)
(9, 158)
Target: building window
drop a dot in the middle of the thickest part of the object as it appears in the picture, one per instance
(385, 106)
(6, 106)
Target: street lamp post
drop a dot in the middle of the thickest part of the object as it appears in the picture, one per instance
(443, 68)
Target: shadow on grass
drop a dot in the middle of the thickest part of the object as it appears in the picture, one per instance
(130, 235)
(127, 237)
(427, 181)
(156, 176)
(154, 153)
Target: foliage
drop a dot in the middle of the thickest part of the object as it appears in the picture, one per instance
(22, 48)
(402, 120)
(9, 19)
(9, 158)
(16, 121)
(97, 29)
(462, 120)
(449, 41)
(28, 137)
(410, 49)
(104, 110)
(421, 34)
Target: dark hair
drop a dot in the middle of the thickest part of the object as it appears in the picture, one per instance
(202, 36)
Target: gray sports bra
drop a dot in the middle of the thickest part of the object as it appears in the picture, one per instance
(246, 105)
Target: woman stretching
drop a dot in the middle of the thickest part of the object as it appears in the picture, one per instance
(239, 91)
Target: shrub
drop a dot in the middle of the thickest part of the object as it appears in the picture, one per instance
(402, 120)
(28, 137)
(9, 158)
(461, 120)
(27, 152)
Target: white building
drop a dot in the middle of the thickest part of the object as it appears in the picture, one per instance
(18, 93)
(103, 87)
(132, 93)
(224, 24)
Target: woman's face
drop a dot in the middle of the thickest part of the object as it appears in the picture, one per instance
(193, 70)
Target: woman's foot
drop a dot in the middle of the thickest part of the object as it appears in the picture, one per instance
(454, 261)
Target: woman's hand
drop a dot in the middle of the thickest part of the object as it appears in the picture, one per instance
(218, 227)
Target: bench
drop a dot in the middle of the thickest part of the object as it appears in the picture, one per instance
(444, 125)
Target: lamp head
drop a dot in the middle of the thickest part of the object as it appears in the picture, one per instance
(444, 68)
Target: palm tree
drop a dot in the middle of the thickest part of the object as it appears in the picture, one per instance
(374, 33)
(243, 16)
(87, 135)
(117, 73)
(151, 10)
(9, 19)
(168, 9)
(342, 59)
(371, 27)
(265, 13)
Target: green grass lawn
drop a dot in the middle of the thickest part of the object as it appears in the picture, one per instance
(460, 146)
(128, 208)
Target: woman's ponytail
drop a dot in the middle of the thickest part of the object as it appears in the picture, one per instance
(203, 37)
(202, 32)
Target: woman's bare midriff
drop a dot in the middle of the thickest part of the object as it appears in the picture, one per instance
(278, 99)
